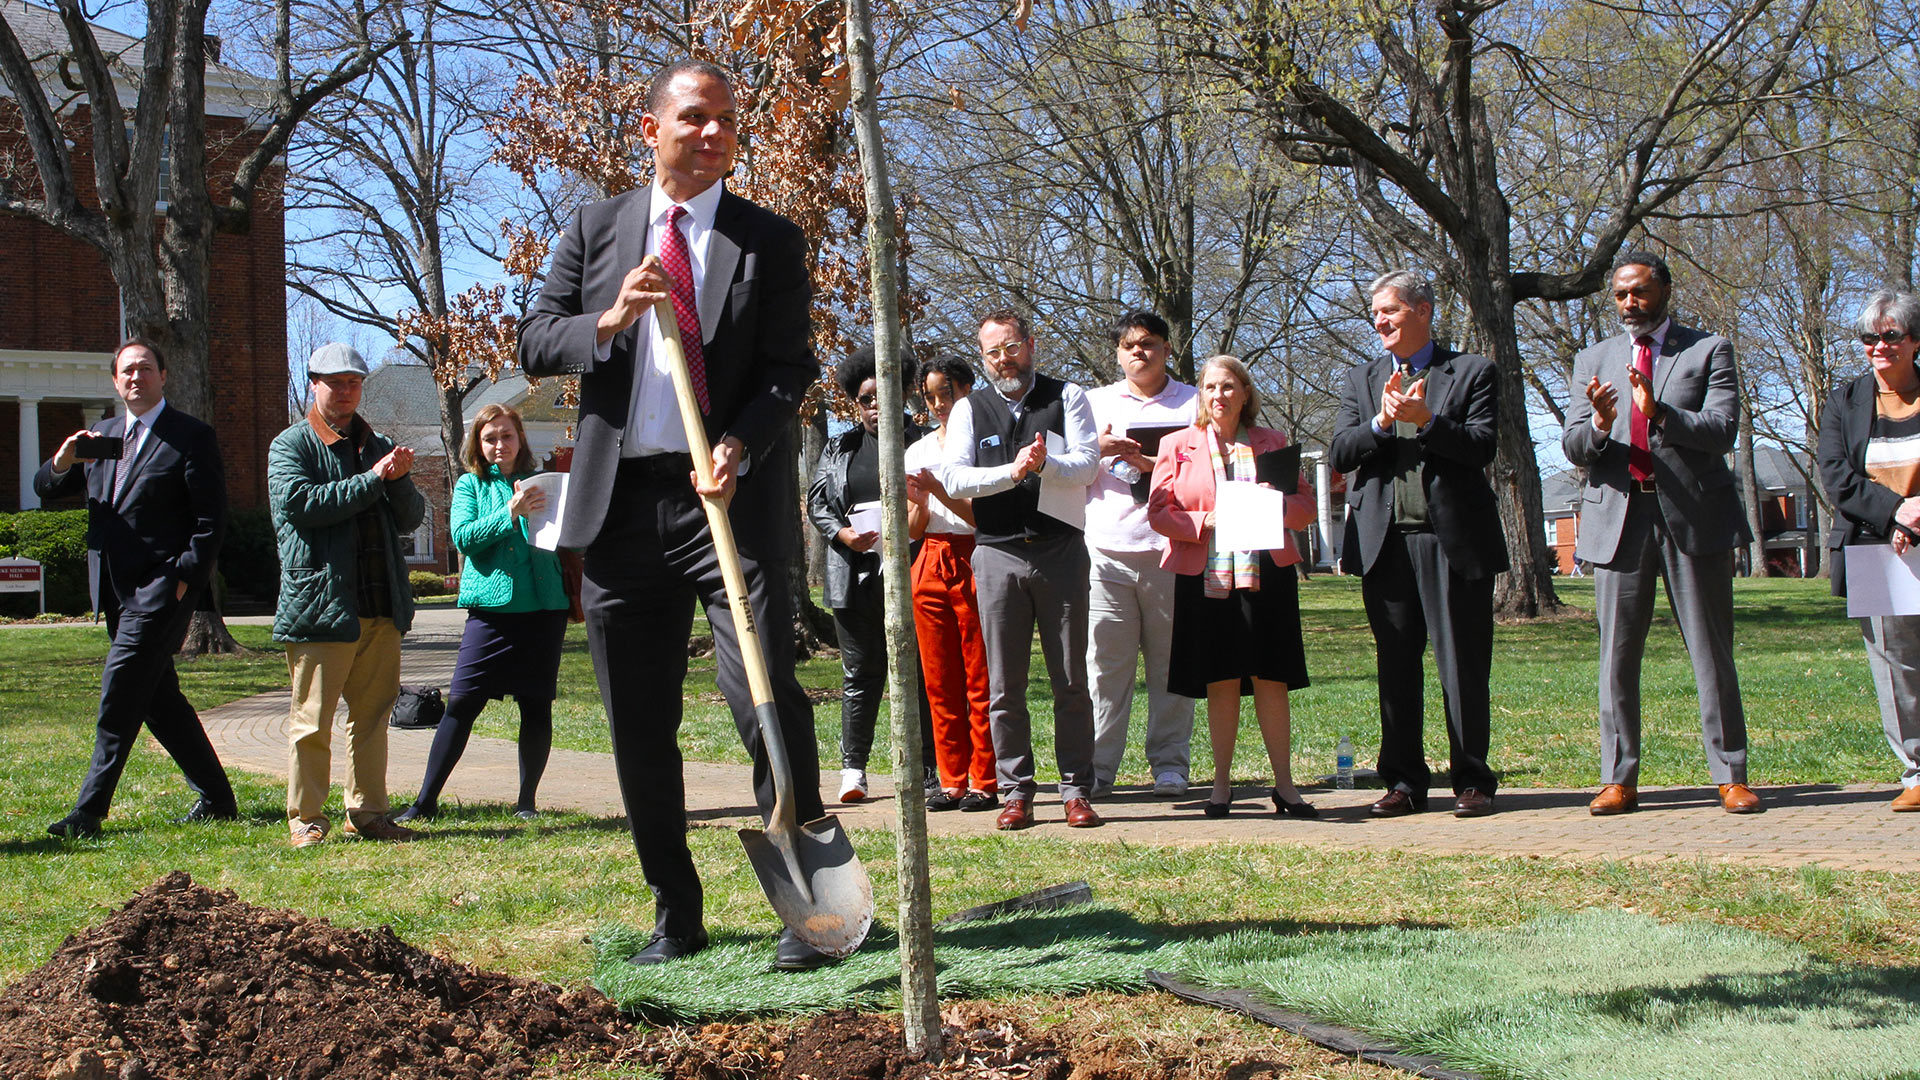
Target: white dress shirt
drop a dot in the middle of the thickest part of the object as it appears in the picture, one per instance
(653, 413)
(1114, 521)
(925, 453)
(1076, 465)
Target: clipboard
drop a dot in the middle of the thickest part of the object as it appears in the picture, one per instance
(1149, 436)
(1281, 468)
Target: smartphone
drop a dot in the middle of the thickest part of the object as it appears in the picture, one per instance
(99, 447)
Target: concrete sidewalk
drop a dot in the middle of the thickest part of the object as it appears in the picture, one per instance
(1845, 827)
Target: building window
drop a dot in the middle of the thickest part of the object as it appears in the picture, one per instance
(166, 165)
(417, 545)
(1553, 532)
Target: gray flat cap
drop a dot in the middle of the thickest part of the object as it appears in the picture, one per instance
(337, 358)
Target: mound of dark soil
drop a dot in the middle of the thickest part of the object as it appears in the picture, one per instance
(185, 982)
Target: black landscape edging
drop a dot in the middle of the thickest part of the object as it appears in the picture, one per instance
(1338, 1039)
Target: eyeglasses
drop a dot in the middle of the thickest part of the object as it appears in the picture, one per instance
(867, 400)
(1013, 349)
(1891, 337)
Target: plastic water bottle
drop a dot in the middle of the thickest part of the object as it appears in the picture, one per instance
(1124, 471)
(1343, 763)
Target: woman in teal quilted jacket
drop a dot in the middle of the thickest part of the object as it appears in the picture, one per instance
(516, 605)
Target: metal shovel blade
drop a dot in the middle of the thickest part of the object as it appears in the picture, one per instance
(814, 882)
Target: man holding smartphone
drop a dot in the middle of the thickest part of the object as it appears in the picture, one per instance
(156, 510)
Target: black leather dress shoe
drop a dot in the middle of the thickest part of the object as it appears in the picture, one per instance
(205, 811)
(792, 954)
(660, 948)
(1473, 803)
(1395, 803)
(75, 826)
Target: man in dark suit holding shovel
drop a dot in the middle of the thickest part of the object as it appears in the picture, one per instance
(736, 275)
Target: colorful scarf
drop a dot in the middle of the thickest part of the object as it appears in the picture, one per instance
(1229, 570)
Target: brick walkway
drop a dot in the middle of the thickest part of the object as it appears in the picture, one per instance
(1846, 827)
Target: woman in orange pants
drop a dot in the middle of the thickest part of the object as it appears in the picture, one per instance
(952, 658)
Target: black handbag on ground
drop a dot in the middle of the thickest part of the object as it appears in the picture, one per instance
(417, 707)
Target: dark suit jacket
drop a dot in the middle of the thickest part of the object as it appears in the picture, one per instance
(1694, 381)
(172, 512)
(754, 326)
(1455, 450)
(1866, 506)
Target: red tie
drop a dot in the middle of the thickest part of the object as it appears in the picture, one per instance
(673, 257)
(1639, 455)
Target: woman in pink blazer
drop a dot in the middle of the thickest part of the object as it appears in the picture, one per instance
(1236, 614)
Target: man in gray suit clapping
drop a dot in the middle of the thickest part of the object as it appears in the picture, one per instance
(1652, 419)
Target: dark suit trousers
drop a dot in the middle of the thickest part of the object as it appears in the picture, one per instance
(653, 558)
(140, 686)
(1700, 591)
(1411, 596)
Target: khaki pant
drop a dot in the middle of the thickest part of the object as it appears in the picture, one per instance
(367, 674)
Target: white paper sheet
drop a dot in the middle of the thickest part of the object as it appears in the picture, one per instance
(1059, 499)
(1880, 582)
(543, 525)
(1248, 517)
(864, 517)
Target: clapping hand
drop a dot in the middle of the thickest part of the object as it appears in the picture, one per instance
(1031, 459)
(1409, 404)
(1606, 403)
(1643, 398)
(397, 463)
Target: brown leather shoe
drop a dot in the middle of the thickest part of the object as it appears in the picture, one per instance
(1018, 814)
(1906, 801)
(1739, 799)
(1395, 803)
(1080, 815)
(1615, 799)
(1473, 803)
(380, 829)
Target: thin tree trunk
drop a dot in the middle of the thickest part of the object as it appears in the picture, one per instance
(920, 1002)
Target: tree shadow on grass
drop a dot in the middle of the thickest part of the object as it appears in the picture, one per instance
(1868, 997)
(1060, 952)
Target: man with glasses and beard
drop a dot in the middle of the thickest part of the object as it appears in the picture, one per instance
(1653, 419)
(1030, 567)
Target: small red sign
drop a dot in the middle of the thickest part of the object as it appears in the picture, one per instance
(19, 573)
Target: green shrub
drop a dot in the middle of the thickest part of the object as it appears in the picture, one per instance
(426, 583)
(58, 539)
(250, 557)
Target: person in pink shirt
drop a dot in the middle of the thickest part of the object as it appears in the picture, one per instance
(1236, 614)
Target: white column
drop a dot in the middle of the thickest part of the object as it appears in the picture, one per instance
(29, 451)
(1322, 485)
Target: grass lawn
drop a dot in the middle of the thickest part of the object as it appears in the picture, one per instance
(497, 892)
(1811, 713)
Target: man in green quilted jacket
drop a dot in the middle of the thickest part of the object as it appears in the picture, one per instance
(341, 498)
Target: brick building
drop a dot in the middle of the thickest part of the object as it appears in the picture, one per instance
(1786, 495)
(60, 315)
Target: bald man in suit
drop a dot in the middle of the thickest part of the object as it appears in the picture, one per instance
(1653, 417)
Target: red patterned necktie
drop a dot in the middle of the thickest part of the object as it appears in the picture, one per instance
(1640, 454)
(673, 257)
(124, 468)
